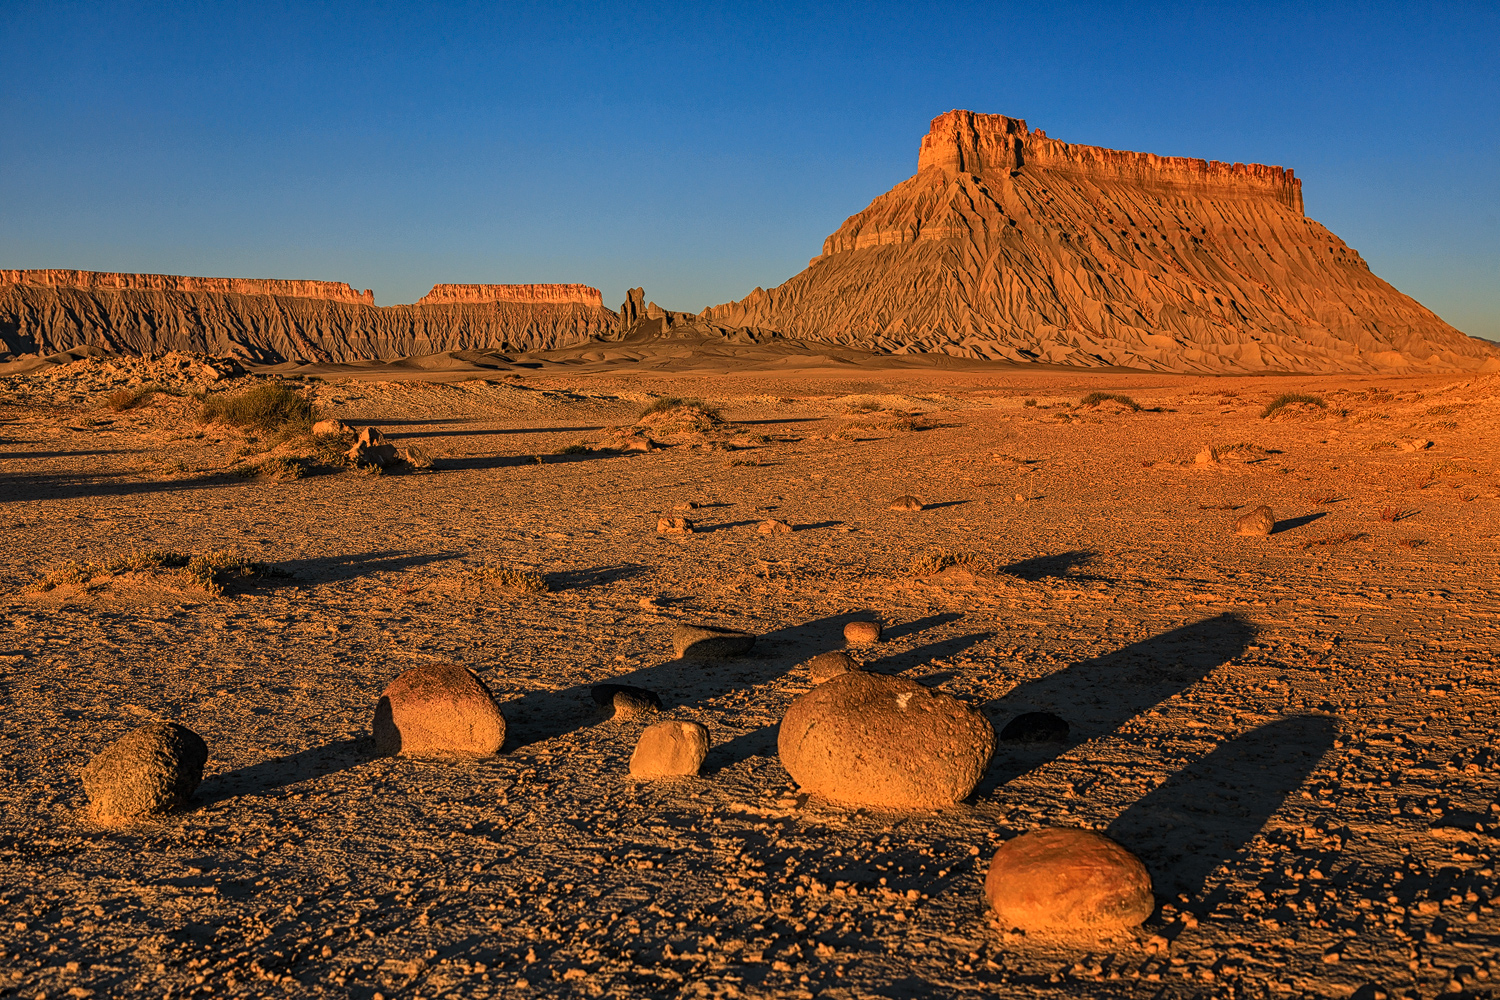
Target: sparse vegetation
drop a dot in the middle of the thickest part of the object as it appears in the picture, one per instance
(938, 560)
(269, 406)
(209, 571)
(1351, 536)
(1411, 543)
(668, 404)
(1029, 402)
(1286, 399)
(1395, 514)
(1096, 398)
(129, 397)
(511, 580)
(574, 449)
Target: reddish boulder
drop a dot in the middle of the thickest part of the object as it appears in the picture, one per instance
(438, 709)
(1067, 880)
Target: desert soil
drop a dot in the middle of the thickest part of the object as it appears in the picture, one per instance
(1294, 733)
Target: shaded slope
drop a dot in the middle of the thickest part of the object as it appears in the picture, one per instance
(1010, 245)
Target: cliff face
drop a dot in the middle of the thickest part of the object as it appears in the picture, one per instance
(275, 321)
(581, 295)
(1011, 245)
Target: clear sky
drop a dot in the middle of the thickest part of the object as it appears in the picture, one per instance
(699, 149)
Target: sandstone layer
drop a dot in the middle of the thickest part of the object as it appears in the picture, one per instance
(270, 322)
(1010, 245)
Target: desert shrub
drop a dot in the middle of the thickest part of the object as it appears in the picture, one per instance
(1095, 398)
(1286, 399)
(938, 560)
(128, 397)
(516, 581)
(208, 571)
(1029, 402)
(269, 406)
(667, 404)
(574, 449)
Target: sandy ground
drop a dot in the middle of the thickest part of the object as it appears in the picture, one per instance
(1295, 733)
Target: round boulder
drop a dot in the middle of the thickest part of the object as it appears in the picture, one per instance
(710, 642)
(907, 502)
(826, 666)
(438, 709)
(1065, 880)
(871, 740)
(1259, 522)
(155, 769)
(628, 702)
(861, 633)
(670, 749)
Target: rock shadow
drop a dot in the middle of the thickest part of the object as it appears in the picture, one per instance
(596, 576)
(1297, 522)
(278, 772)
(1205, 815)
(1099, 695)
(913, 627)
(1044, 567)
(899, 662)
(332, 569)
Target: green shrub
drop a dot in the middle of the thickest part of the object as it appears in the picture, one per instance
(269, 406)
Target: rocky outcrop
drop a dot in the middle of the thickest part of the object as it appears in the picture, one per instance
(272, 322)
(581, 295)
(1013, 246)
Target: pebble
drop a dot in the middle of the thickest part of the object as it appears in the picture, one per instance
(710, 642)
(1035, 727)
(670, 749)
(1259, 522)
(826, 666)
(906, 503)
(861, 633)
(1064, 879)
(872, 740)
(438, 708)
(628, 702)
(154, 769)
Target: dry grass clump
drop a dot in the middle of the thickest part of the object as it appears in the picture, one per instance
(673, 404)
(575, 449)
(209, 572)
(1351, 536)
(128, 397)
(1411, 543)
(930, 563)
(1096, 398)
(510, 579)
(1286, 399)
(269, 406)
(1395, 514)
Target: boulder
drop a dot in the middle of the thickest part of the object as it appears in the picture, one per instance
(670, 749)
(330, 428)
(1068, 880)
(628, 702)
(906, 503)
(1259, 522)
(861, 633)
(372, 449)
(774, 527)
(871, 740)
(674, 526)
(826, 666)
(154, 769)
(1035, 727)
(710, 642)
(438, 709)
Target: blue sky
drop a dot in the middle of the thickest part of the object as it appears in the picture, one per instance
(700, 149)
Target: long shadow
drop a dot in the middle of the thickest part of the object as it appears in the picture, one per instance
(330, 569)
(1099, 695)
(480, 431)
(598, 576)
(1043, 567)
(278, 772)
(542, 715)
(920, 625)
(819, 524)
(899, 662)
(70, 454)
(1296, 522)
(704, 529)
(944, 503)
(66, 486)
(1204, 816)
(469, 463)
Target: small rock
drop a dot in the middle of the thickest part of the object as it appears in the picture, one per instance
(774, 527)
(826, 666)
(1259, 522)
(330, 428)
(871, 740)
(1415, 444)
(154, 769)
(862, 633)
(438, 709)
(710, 642)
(1208, 456)
(670, 749)
(1035, 727)
(640, 444)
(906, 503)
(1063, 879)
(674, 526)
(686, 505)
(629, 702)
(373, 449)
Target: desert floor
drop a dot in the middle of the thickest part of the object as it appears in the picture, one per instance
(1295, 733)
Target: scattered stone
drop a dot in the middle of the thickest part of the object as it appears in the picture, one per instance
(330, 428)
(670, 749)
(906, 503)
(438, 709)
(1208, 456)
(871, 740)
(774, 527)
(373, 449)
(826, 666)
(862, 633)
(1035, 727)
(1415, 444)
(1063, 879)
(629, 702)
(640, 444)
(710, 642)
(674, 526)
(154, 769)
(1259, 522)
